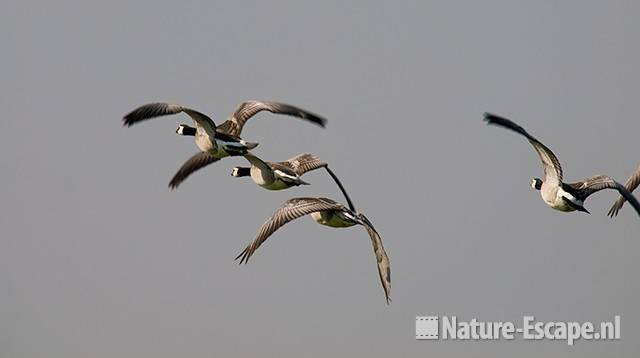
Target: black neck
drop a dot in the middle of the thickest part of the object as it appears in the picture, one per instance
(186, 130)
(242, 172)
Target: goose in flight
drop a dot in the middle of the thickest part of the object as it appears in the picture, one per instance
(278, 175)
(325, 212)
(283, 175)
(555, 193)
(631, 184)
(215, 142)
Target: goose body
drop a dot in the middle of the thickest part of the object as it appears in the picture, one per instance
(275, 179)
(329, 213)
(333, 218)
(561, 196)
(559, 199)
(215, 142)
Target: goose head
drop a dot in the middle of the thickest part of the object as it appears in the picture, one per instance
(184, 129)
(536, 183)
(240, 172)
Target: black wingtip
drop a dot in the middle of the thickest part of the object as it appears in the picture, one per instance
(127, 121)
(490, 117)
(243, 257)
(495, 119)
(133, 117)
(322, 122)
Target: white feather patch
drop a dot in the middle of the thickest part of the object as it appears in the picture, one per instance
(282, 174)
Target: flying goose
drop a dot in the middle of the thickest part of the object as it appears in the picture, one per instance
(282, 175)
(214, 142)
(631, 184)
(325, 212)
(278, 175)
(557, 194)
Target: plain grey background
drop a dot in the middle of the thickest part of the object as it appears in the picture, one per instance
(99, 258)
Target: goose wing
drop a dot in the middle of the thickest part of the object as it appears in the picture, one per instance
(290, 210)
(341, 187)
(631, 184)
(583, 189)
(303, 163)
(384, 268)
(159, 109)
(248, 109)
(550, 163)
(192, 164)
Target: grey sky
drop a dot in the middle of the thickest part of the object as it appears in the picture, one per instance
(99, 258)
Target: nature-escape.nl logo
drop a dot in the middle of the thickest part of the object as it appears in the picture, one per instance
(451, 328)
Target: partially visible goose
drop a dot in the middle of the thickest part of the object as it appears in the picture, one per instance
(215, 142)
(631, 184)
(325, 212)
(557, 194)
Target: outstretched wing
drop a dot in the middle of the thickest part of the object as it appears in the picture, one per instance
(248, 109)
(159, 109)
(631, 184)
(583, 189)
(384, 268)
(192, 164)
(550, 163)
(303, 163)
(290, 210)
